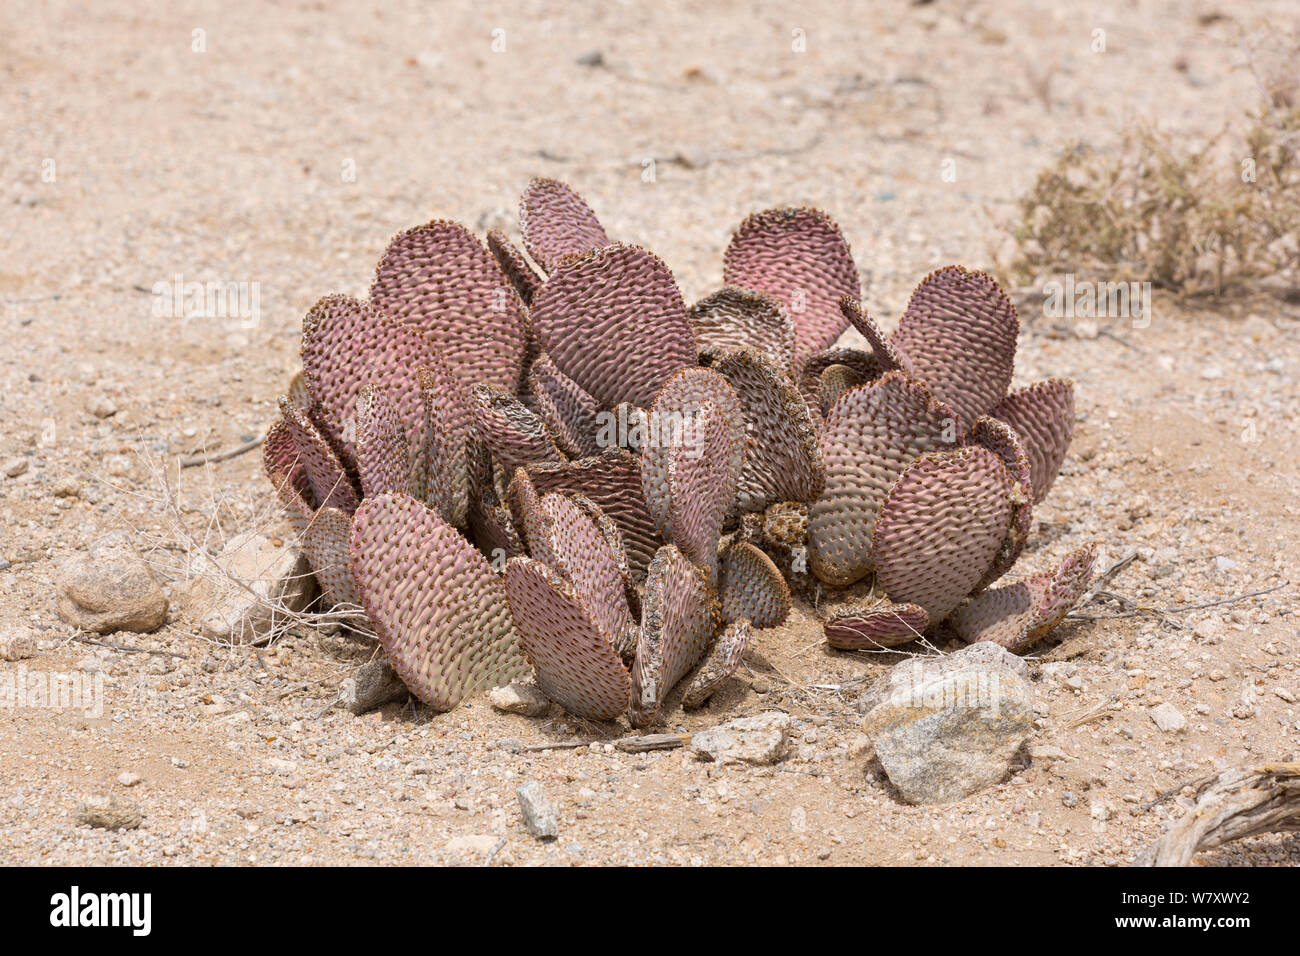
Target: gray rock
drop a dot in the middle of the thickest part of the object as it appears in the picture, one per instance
(539, 813)
(109, 812)
(101, 406)
(18, 646)
(243, 593)
(979, 654)
(66, 487)
(109, 588)
(1046, 753)
(757, 740)
(373, 685)
(519, 698)
(947, 727)
(15, 467)
(1168, 718)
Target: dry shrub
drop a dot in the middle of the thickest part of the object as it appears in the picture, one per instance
(1193, 219)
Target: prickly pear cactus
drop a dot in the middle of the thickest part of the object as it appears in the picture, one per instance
(540, 460)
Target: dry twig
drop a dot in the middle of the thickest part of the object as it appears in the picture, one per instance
(1238, 802)
(195, 460)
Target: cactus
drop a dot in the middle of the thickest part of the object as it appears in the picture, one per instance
(541, 460)
(933, 470)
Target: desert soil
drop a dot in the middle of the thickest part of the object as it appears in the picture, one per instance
(229, 164)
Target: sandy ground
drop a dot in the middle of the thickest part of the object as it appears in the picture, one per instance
(290, 149)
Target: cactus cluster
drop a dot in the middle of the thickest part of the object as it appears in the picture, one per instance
(543, 461)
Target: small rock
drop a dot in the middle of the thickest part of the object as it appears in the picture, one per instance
(1224, 564)
(1069, 799)
(109, 812)
(1046, 753)
(1285, 694)
(15, 467)
(373, 685)
(128, 778)
(539, 812)
(757, 740)
(1205, 629)
(18, 646)
(66, 487)
(1100, 810)
(1168, 718)
(480, 843)
(1086, 329)
(109, 588)
(238, 596)
(520, 698)
(949, 726)
(101, 406)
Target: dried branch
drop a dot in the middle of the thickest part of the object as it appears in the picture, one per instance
(194, 461)
(1236, 803)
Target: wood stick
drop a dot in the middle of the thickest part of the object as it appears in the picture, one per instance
(628, 745)
(1236, 803)
(1160, 612)
(194, 460)
(558, 745)
(129, 650)
(638, 745)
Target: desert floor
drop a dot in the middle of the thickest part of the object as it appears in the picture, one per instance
(233, 164)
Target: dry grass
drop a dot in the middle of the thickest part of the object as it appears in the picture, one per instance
(1195, 219)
